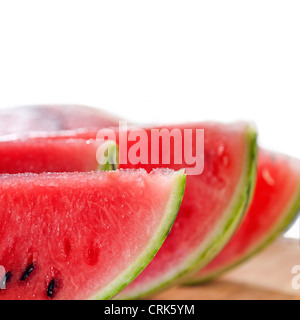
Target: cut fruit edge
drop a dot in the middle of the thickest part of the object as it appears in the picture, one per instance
(232, 219)
(153, 246)
(108, 156)
(287, 219)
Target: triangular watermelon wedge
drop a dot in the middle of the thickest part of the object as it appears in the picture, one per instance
(82, 235)
(31, 138)
(38, 155)
(212, 208)
(275, 204)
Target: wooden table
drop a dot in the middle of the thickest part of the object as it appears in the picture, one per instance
(266, 276)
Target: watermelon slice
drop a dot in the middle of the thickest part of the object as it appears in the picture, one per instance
(82, 235)
(48, 155)
(29, 138)
(276, 202)
(52, 118)
(39, 155)
(212, 207)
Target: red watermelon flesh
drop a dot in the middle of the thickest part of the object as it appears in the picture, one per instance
(212, 207)
(276, 202)
(48, 155)
(52, 118)
(82, 235)
(217, 198)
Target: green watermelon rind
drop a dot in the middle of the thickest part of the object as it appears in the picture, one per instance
(112, 148)
(287, 219)
(237, 210)
(128, 275)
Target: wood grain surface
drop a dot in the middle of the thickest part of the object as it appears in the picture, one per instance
(266, 276)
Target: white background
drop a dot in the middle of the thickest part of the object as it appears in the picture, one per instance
(159, 61)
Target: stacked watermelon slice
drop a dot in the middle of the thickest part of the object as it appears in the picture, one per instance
(70, 230)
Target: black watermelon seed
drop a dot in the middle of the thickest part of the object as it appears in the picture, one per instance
(27, 272)
(50, 289)
(8, 276)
